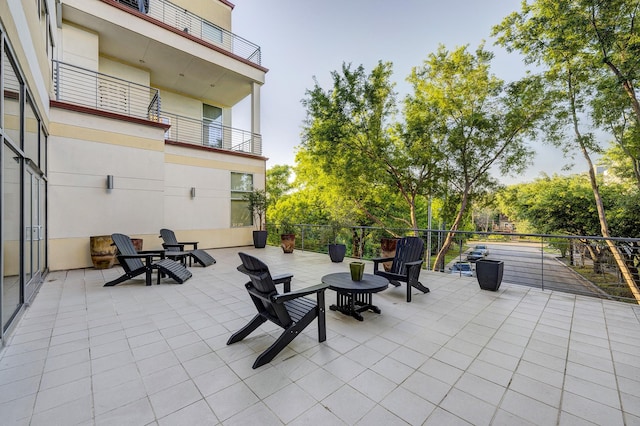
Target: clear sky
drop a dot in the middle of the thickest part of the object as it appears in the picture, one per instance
(303, 39)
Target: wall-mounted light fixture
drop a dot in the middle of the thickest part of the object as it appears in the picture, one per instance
(193, 192)
(109, 181)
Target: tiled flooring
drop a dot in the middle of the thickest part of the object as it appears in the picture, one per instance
(135, 355)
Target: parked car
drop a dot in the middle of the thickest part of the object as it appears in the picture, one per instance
(484, 249)
(475, 255)
(462, 268)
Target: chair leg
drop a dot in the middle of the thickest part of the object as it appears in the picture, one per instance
(322, 323)
(417, 285)
(246, 330)
(118, 280)
(421, 287)
(285, 338)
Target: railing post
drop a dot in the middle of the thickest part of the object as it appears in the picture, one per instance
(542, 263)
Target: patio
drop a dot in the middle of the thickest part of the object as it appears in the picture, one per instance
(85, 354)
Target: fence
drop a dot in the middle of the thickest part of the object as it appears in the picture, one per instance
(582, 265)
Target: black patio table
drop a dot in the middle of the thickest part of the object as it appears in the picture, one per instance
(353, 297)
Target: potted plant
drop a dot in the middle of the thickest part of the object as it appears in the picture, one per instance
(257, 205)
(336, 251)
(287, 237)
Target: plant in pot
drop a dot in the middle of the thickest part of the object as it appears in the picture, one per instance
(287, 237)
(336, 251)
(257, 205)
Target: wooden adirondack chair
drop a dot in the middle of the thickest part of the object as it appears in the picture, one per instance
(131, 262)
(171, 243)
(289, 310)
(406, 266)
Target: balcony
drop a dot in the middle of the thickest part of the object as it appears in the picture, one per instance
(183, 20)
(86, 354)
(79, 86)
(91, 89)
(210, 134)
(191, 63)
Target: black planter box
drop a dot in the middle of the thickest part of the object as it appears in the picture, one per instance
(337, 252)
(489, 273)
(259, 239)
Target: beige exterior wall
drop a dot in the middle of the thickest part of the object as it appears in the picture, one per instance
(124, 71)
(26, 31)
(152, 187)
(152, 181)
(79, 47)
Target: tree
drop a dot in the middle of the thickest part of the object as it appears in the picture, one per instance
(257, 205)
(568, 39)
(278, 181)
(349, 134)
(476, 121)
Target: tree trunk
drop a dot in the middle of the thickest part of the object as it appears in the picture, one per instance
(449, 238)
(604, 226)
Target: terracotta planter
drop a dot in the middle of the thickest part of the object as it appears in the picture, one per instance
(288, 242)
(103, 252)
(388, 249)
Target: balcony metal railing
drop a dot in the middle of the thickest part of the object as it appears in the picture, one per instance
(573, 264)
(80, 86)
(177, 17)
(210, 134)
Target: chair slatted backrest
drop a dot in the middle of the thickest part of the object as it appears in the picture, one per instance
(408, 249)
(262, 282)
(169, 238)
(125, 247)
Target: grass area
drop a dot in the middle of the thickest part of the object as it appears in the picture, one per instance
(606, 281)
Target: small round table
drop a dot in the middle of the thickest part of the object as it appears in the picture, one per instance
(353, 297)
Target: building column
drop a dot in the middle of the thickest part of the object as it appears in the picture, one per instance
(255, 108)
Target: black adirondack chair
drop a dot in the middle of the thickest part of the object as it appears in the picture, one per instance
(406, 265)
(131, 262)
(289, 310)
(171, 243)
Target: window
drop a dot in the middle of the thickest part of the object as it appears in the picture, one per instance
(241, 184)
(211, 33)
(212, 126)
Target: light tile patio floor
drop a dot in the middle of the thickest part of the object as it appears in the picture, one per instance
(136, 355)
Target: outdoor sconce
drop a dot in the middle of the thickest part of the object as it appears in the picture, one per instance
(193, 192)
(109, 181)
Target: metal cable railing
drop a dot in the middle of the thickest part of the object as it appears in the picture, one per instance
(210, 134)
(568, 263)
(177, 17)
(80, 86)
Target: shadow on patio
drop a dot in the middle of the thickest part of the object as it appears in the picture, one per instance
(131, 354)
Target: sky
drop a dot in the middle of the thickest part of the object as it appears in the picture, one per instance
(305, 39)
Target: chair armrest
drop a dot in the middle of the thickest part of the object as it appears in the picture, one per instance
(414, 263)
(135, 256)
(158, 253)
(178, 246)
(378, 260)
(283, 279)
(148, 257)
(279, 298)
(189, 243)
